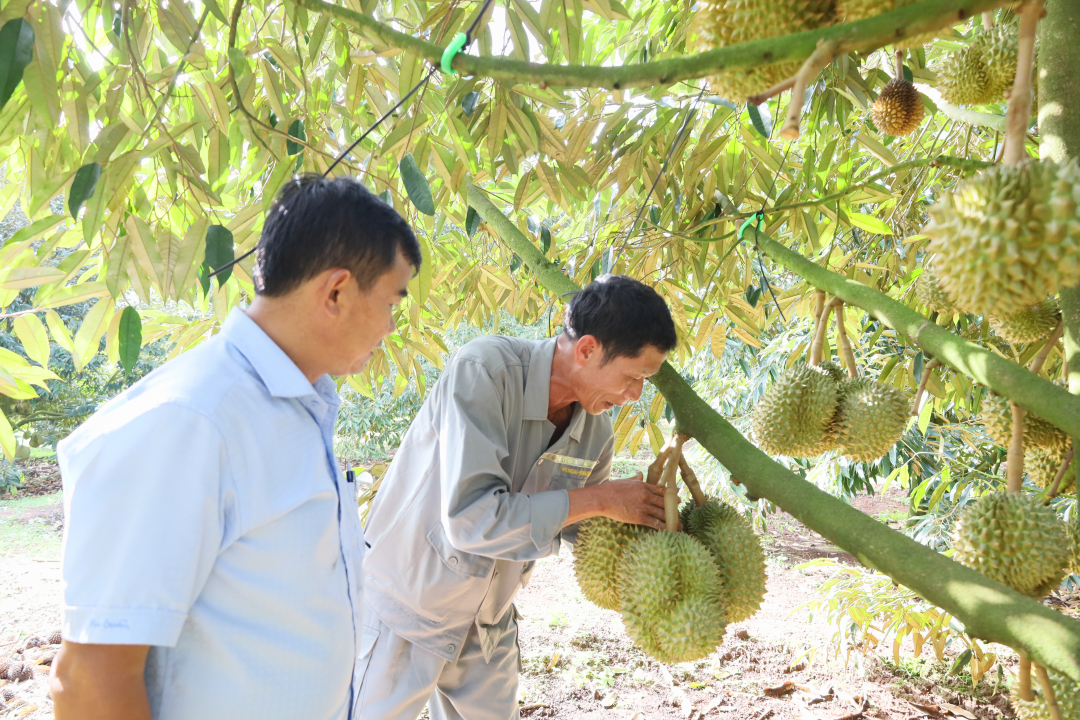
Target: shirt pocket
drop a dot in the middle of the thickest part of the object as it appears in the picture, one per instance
(567, 473)
(452, 580)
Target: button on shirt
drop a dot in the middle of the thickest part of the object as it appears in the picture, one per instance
(475, 495)
(207, 518)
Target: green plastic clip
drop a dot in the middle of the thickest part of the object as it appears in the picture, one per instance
(451, 50)
(756, 217)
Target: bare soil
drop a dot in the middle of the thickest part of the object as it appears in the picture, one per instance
(577, 661)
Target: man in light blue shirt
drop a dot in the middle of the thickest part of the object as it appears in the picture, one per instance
(212, 548)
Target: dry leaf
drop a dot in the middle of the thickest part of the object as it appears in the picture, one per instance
(780, 690)
(958, 711)
(610, 700)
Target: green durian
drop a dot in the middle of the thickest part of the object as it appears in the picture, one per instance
(718, 23)
(871, 418)
(735, 547)
(1031, 324)
(1014, 539)
(964, 77)
(598, 553)
(672, 605)
(996, 417)
(855, 10)
(1042, 467)
(1073, 528)
(795, 416)
(1008, 237)
(1000, 47)
(929, 293)
(1066, 694)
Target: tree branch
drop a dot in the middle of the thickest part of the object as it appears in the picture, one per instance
(862, 36)
(822, 56)
(1034, 393)
(988, 609)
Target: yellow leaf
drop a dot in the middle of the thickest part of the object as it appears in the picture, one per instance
(75, 294)
(656, 438)
(719, 338)
(656, 409)
(635, 442)
(34, 339)
(7, 437)
(58, 330)
(93, 326)
(21, 278)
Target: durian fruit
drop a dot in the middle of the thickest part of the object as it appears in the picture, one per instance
(672, 605)
(1042, 467)
(996, 417)
(871, 418)
(1073, 528)
(1066, 694)
(899, 108)
(1000, 46)
(796, 415)
(598, 555)
(19, 672)
(1015, 539)
(1009, 237)
(1031, 324)
(737, 551)
(964, 78)
(833, 370)
(718, 23)
(855, 10)
(55, 638)
(929, 293)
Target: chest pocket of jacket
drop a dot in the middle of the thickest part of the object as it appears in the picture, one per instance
(566, 473)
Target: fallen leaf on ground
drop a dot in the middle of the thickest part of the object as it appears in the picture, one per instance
(780, 690)
(609, 700)
(959, 711)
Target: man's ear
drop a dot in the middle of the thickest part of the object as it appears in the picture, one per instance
(586, 348)
(332, 289)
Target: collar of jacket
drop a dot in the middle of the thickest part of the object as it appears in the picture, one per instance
(538, 386)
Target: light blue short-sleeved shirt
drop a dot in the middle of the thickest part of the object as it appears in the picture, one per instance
(207, 518)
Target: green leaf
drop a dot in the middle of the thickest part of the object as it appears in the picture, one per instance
(907, 74)
(869, 223)
(387, 198)
(239, 63)
(761, 119)
(716, 100)
(468, 103)
(82, 187)
(16, 51)
(129, 337)
(472, 221)
(219, 251)
(215, 10)
(963, 659)
(416, 185)
(545, 238)
(296, 130)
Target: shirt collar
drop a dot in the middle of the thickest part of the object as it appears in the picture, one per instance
(276, 369)
(538, 381)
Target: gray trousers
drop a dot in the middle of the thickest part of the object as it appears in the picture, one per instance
(397, 678)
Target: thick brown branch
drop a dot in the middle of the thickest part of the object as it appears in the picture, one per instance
(842, 340)
(822, 56)
(922, 386)
(1018, 115)
(1052, 492)
(1040, 359)
(1015, 456)
(772, 92)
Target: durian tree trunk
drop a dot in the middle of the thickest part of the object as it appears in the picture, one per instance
(1059, 140)
(989, 610)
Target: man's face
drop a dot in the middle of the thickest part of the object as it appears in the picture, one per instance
(368, 315)
(601, 386)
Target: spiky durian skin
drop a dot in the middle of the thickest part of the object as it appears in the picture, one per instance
(855, 10)
(672, 605)
(796, 414)
(1008, 237)
(833, 370)
(1015, 539)
(871, 418)
(899, 108)
(1042, 467)
(735, 547)
(964, 78)
(1031, 324)
(1000, 47)
(996, 417)
(718, 23)
(928, 292)
(1066, 694)
(1073, 528)
(601, 543)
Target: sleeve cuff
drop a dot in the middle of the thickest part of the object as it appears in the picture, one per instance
(549, 512)
(122, 626)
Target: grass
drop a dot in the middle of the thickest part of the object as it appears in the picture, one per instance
(31, 537)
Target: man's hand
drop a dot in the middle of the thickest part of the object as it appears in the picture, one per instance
(628, 500)
(99, 682)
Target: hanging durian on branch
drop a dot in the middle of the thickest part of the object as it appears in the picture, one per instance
(899, 109)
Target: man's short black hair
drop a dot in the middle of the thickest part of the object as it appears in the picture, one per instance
(623, 314)
(317, 224)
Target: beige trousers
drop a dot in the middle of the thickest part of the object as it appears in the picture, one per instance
(397, 678)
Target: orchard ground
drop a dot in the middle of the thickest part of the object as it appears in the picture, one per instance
(577, 662)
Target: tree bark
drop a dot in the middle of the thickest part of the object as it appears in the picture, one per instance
(989, 610)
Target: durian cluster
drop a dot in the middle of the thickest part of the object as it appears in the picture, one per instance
(1045, 445)
(812, 409)
(983, 71)
(677, 591)
(1009, 237)
(1066, 694)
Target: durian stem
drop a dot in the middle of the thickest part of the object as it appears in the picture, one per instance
(822, 56)
(671, 490)
(922, 386)
(819, 307)
(1065, 462)
(1025, 680)
(1048, 690)
(689, 477)
(899, 64)
(988, 20)
(1015, 456)
(817, 346)
(1040, 359)
(1018, 115)
(771, 92)
(844, 343)
(655, 472)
